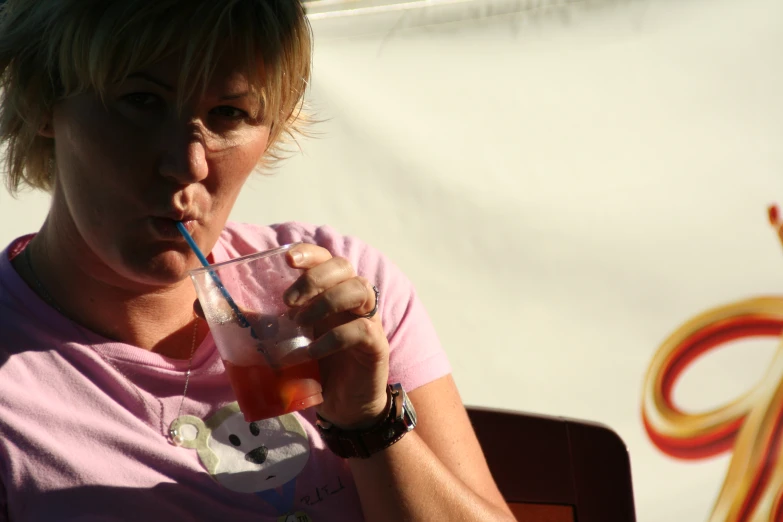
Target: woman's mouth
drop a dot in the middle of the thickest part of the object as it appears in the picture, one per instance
(166, 228)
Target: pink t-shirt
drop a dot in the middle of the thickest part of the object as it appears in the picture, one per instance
(78, 440)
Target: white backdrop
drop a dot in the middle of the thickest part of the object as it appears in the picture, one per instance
(565, 186)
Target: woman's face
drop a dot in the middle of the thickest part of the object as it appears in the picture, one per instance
(130, 166)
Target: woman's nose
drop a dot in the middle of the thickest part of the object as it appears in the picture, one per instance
(183, 157)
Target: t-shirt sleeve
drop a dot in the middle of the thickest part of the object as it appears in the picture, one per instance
(416, 356)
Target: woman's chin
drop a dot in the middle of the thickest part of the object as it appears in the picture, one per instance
(164, 269)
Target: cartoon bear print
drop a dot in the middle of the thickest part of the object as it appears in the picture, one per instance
(255, 457)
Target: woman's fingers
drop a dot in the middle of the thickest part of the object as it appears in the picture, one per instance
(318, 279)
(353, 295)
(327, 287)
(306, 255)
(364, 336)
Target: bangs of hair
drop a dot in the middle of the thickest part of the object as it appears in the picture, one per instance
(66, 47)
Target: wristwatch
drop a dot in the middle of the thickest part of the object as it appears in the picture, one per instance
(399, 419)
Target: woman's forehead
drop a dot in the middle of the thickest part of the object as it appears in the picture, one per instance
(228, 77)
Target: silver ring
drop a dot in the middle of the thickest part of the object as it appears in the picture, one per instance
(374, 310)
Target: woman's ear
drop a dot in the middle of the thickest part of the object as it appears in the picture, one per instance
(46, 129)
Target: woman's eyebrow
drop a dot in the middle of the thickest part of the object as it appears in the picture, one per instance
(150, 78)
(234, 96)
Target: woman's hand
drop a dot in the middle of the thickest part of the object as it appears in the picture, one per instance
(353, 352)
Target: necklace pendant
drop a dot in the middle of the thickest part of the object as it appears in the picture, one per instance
(175, 438)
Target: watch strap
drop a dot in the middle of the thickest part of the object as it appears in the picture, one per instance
(364, 443)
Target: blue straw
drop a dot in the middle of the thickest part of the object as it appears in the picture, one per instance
(192, 244)
(200, 255)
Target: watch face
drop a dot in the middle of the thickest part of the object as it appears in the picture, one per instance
(409, 411)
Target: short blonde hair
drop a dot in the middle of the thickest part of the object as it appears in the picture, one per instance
(53, 49)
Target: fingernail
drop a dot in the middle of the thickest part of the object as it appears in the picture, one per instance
(291, 296)
(296, 256)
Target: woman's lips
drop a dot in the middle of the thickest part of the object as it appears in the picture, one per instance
(167, 228)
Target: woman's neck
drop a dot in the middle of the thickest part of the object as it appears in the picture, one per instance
(156, 319)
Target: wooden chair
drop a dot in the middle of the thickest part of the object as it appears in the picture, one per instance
(552, 469)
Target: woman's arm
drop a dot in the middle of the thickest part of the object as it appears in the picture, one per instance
(435, 472)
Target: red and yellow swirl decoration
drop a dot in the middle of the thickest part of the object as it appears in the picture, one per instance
(751, 425)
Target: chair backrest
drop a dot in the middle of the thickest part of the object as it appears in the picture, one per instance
(551, 469)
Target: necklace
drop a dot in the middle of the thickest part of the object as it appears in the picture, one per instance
(173, 435)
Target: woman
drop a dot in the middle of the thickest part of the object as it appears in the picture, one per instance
(113, 400)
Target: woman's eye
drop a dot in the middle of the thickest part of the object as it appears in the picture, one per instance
(142, 100)
(232, 113)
